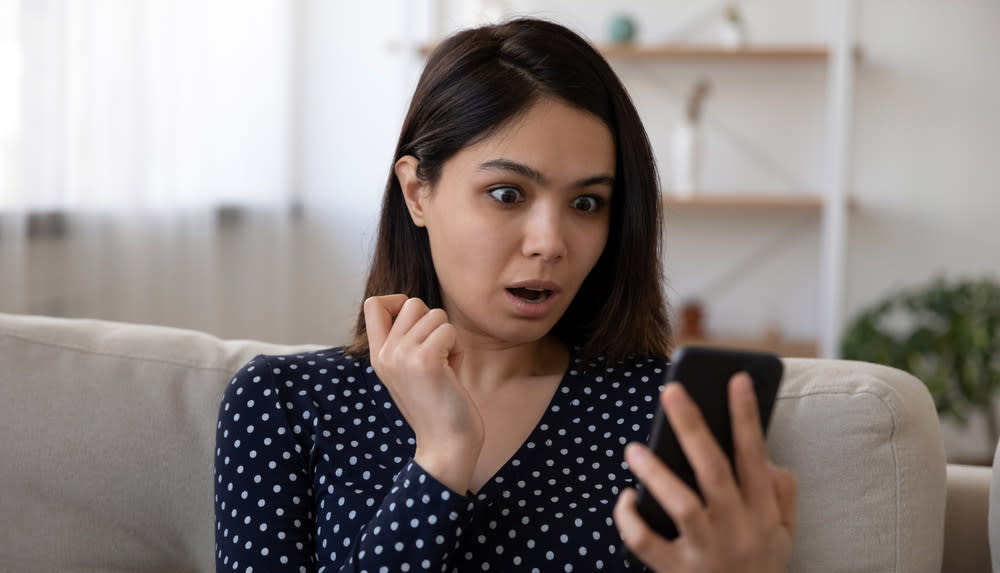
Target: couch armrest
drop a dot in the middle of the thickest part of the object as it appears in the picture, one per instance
(966, 539)
(865, 444)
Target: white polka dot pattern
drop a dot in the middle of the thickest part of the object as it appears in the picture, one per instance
(314, 471)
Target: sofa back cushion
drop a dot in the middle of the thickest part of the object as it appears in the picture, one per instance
(109, 435)
(108, 440)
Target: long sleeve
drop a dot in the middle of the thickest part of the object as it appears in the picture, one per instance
(266, 511)
(416, 527)
(263, 488)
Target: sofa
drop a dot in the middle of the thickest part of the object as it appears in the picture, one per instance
(108, 434)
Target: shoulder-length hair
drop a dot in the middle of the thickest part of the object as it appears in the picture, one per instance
(475, 82)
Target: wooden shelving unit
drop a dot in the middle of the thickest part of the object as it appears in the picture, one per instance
(752, 202)
(831, 206)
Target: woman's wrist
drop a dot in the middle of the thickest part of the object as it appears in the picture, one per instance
(452, 466)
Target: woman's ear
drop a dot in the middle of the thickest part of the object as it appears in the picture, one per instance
(414, 190)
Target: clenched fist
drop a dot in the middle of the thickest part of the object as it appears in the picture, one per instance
(413, 352)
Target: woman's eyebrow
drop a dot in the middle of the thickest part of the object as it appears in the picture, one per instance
(525, 171)
(514, 167)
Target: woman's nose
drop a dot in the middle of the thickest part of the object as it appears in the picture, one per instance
(544, 234)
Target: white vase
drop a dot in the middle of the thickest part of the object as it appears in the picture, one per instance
(686, 158)
(732, 36)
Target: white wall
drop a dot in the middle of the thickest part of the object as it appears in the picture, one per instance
(927, 145)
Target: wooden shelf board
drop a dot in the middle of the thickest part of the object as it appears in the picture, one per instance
(771, 52)
(794, 52)
(781, 347)
(749, 200)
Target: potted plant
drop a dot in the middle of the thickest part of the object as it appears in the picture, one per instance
(947, 334)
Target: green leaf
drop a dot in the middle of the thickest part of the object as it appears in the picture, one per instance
(946, 333)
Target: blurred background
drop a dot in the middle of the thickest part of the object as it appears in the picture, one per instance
(218, 164)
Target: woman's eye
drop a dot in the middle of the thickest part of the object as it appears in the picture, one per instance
(507, 195)
(587, 203)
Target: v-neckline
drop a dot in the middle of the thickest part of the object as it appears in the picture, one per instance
(406, 434)
(484, 491)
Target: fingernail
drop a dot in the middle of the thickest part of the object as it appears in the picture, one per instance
(676, 395)
(636, 453)
(744, 384)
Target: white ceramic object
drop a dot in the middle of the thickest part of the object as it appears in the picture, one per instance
(686, 158)
(732, 36)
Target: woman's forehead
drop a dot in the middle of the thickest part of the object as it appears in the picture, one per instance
(550, 138)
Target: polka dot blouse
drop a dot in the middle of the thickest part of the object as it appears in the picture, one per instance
(314, 471)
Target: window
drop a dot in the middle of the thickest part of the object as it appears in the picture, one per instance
(145, 105)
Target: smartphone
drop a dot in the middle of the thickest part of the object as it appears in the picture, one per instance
(705, 374)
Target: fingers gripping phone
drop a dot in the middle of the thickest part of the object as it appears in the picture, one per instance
(705, 374)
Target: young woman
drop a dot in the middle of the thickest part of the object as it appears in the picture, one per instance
(512, 343)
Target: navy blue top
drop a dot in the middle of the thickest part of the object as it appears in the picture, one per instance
(314, 471)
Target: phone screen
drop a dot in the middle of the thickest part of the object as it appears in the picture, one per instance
(705, 374)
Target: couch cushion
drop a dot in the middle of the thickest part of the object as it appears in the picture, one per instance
(108, 439)
(993, 526)
(865, 444)
(967, 515)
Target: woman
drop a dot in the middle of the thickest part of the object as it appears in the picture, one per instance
(511, 344)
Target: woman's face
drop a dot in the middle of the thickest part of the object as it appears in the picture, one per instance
(518, 220)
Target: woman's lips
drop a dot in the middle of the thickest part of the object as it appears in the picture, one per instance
(533, 298)
(530, 296)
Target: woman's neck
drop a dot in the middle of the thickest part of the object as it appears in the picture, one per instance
(485, 367)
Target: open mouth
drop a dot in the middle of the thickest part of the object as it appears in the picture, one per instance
(531, 295)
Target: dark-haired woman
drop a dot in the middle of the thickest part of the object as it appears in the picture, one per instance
(512, 343)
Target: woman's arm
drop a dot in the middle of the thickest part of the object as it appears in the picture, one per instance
(263, 484)
(413, 351)
(266, 514)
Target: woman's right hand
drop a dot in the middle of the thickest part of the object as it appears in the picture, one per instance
(744, 524)
(412, 351)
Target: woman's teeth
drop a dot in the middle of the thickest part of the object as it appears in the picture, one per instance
(530, 295)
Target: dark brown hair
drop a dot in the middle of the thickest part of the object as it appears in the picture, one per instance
(474, 83)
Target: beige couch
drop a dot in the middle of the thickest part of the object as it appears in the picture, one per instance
(108, 434)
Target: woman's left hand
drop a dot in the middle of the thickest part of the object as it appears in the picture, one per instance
(745, 526)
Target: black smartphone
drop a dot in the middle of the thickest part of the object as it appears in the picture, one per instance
(705, 374)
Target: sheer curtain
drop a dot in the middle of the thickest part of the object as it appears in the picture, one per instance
(140, 141)
(159, 104)
(204, 164)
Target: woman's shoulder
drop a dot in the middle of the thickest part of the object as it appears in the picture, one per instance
(327, 360)
(304, 384)
(302, 370)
